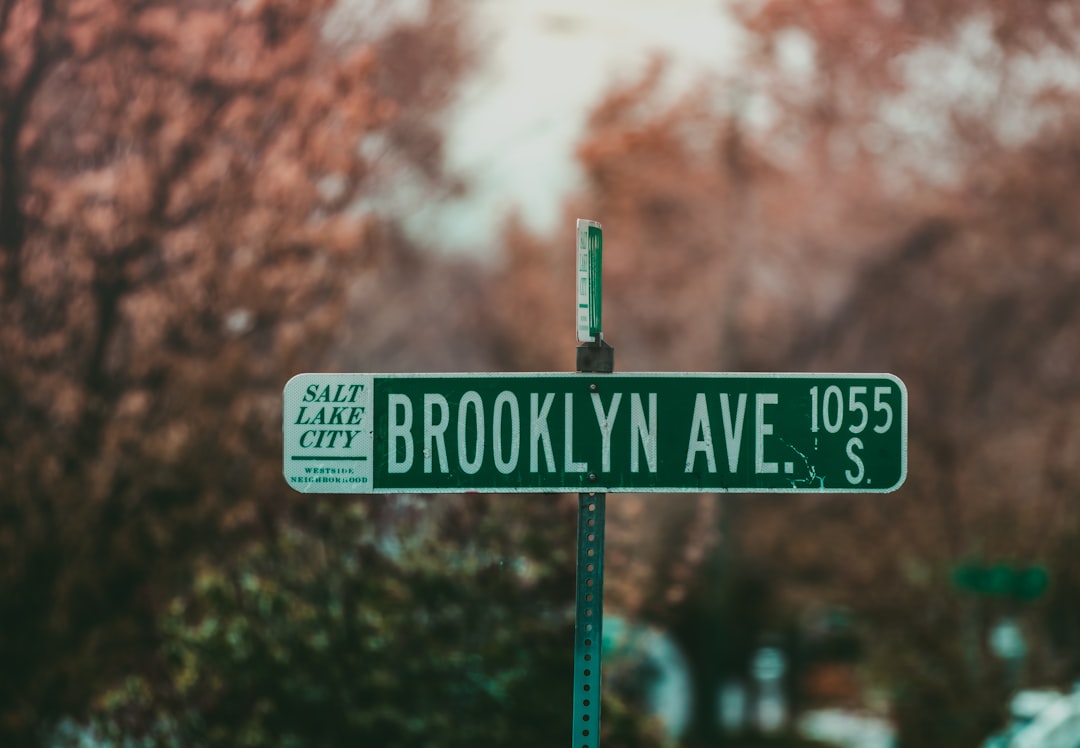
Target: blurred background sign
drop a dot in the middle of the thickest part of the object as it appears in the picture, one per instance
(770, 708)
(1000, 579)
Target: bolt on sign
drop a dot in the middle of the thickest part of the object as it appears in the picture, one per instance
(551, 432)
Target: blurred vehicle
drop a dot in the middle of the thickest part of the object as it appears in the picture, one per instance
(646, 668)
(846, 729)
(1041, 719)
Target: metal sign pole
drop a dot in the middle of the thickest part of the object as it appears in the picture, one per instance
(588, 620)
(594, 356)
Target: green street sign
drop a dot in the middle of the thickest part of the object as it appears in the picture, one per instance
(590, 246)
(540, 433)
(1002, 580)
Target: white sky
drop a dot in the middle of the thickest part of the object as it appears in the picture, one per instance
(544, 64)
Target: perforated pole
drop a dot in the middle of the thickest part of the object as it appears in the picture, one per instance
(588, 619)
(592, 358)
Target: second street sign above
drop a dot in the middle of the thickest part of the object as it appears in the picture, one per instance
(503, 433)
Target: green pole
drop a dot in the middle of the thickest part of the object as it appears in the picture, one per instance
(588, 619)
(594, 357)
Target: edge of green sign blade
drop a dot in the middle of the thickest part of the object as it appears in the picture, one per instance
(582, 307)
(903, 430)
(596, 250)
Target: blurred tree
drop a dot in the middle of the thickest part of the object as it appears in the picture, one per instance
(455, 633)
(884, 187)
(660, 199)
(185, 221)
(667, 183)
(960, 112)
(975, 329)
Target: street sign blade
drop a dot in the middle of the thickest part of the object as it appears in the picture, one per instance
(543, 433)
(590, 240)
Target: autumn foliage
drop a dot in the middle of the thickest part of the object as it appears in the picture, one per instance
(847, 203)
(176, 240)
(193, 208)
